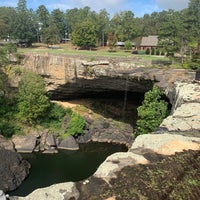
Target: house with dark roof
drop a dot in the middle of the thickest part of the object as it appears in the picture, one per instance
(149, 42)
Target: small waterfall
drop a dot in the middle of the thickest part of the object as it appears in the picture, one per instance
(125, 94)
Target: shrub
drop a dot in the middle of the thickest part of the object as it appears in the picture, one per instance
(157, 52)
(153, 51)
(151, 113)
(147, 52)
(76, 125)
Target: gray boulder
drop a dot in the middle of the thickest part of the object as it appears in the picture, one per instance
(24, 144)
(7, 144)
(62, 191)
(68, 143)
(13, 169)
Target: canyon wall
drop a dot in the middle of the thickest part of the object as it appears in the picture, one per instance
(74, 76)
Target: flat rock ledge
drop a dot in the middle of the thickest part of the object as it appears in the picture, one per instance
(62, 191)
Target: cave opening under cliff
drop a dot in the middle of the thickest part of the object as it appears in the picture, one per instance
(118, 105)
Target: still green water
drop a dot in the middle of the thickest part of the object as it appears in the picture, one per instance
(48, 169)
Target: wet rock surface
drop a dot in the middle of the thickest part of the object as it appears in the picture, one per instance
(13, 169)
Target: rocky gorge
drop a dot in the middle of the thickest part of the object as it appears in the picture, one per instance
(70, 77)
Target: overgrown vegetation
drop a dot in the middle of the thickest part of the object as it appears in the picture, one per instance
(76, 125)
(151, 113)
(32, 99)
(31, 107)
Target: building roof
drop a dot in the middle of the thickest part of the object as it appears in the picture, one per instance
(151, 40)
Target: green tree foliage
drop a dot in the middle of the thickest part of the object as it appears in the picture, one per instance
(123, 25)
(51, 35)
(151, 113)
(3, 56)
(7, 17)
(43, 16)
(128, 45)
(193, 21)
(32, 99)
(4, 51)
(58, 18)
(102, 26)
(85, 35)
(76, 125)
(171, 34)
(23, 26)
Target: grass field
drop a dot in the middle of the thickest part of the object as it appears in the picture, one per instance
(68, 49)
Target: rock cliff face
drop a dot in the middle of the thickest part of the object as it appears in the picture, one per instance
(73, 76)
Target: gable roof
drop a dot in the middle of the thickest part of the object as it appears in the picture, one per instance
(151, 40)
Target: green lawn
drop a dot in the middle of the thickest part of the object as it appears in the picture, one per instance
(65, 50)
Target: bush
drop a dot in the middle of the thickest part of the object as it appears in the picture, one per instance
(151, 113)
(147, 51)
(76, 125)
(141, 52)
(54, 117)
(157, 52)
(153, 51)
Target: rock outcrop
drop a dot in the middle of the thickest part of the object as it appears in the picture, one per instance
(62, 191)
(73, 76)
(185, 116)
(35, 141)
(13, 170)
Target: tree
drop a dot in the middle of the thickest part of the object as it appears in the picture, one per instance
(58, 18)
(193, 20)
(172, 34)
(102, 24)
(51, 35)
(32, 98)
(128, 45)
(151, 113)
(84, 35)
(23, 28)
(123, 25)
(7, 19)
(43, 16)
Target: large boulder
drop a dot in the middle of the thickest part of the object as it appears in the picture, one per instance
(13, 169)
(108, 130)
(115, 162)
(5, 143)
(165, 144)
(68, 143)
(62, 191)
(24, 143)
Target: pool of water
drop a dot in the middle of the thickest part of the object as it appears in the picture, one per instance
(48, 169)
